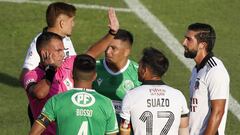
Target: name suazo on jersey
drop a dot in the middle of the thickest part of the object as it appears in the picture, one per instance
(154, 108)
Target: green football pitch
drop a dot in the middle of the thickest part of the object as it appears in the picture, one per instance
(21, 22)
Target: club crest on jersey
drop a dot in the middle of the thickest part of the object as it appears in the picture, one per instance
(68, 84)
(83, 99)
(197, 83)
(128, 84)
(99, 81)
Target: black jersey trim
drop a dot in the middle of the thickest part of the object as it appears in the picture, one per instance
(153, 82)
(212, 63)
(204, 61)
(184, 115)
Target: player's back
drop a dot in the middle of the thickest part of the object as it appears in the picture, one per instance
(156, 109)
(83, 112)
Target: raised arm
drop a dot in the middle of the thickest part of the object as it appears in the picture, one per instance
(99, 47)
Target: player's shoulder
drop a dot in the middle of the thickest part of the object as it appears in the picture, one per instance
(214, 63)
(215, 66)
(99, 62)
(173, 90)
(102, 97)
(133, 63)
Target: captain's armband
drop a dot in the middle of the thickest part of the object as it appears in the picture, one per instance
(43, 120)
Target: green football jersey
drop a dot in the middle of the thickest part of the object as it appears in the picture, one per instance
(115, 85)
(81, 112)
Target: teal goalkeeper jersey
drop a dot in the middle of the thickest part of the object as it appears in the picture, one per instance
(115, 85)
(81, 112)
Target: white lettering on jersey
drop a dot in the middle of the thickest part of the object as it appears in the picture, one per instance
(117, 105)
(83, 99)
(99, 81)
(84, 112)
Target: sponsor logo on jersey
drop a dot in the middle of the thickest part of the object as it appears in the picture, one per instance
(83, 99)
(128, 84)
(68, 84)
(156, 91)
(99, 81)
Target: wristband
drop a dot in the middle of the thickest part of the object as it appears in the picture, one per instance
(112, 32)
(49, 73)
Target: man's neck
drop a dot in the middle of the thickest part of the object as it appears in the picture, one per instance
(55, 30)
(83, 84)
(116, 67)
(198, 59)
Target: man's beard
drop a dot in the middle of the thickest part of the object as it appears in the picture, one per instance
(190, 54)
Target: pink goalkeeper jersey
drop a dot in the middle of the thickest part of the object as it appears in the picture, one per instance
(62, 82)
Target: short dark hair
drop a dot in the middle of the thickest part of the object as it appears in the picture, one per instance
(206, 33)
(124, 35)
(44, 39)
(57, 8)
(84, 67)
(156, 60)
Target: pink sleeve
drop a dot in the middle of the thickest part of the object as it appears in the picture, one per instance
(69, 61)
(32, 76)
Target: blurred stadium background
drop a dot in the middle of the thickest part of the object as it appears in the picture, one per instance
(21, 20)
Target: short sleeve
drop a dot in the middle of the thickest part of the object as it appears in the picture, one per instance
(32, 58)
(30, 77)
(112, 125)
(184, 107)
(125, 112)
(48, 109)
(218, 84)
(68, 47)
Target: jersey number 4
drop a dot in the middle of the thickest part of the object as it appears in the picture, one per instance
(147, 117)
(83, 129)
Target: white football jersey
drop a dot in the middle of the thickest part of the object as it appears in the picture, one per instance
(154, 108)
(32, 58)
(209, 82)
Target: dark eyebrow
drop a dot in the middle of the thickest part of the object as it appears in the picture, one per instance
(187, 37)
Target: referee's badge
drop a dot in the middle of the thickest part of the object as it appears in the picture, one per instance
(197, 83)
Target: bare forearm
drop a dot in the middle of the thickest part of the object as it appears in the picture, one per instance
(36, 129)
(213, 123)
(99, 47)
(41, 89)
(217, 111)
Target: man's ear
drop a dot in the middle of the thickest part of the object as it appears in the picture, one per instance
(127, 52)
(42, 54)
(61, 23)
(202, 45)
(95, 76)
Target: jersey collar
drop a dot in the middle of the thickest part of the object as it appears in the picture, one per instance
(115, 73)
(204, 61)
(83, 89)
(153, 82)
